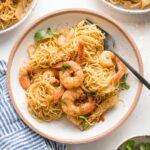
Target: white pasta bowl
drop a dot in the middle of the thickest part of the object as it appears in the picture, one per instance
(124, 10)
(62, 130)
(27, 13)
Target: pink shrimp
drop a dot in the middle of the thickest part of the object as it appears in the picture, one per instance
(121, 69)
(70, 97)
(71, 76)
(81, 53)
(24, 78)
(108, 59)
(58, 94)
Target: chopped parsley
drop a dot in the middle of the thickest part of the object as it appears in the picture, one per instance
(44, 34)
(93, 93)
(63, 101)
(129, 145)
(82, 118)
(65, 66)
(132, 145)
(85, 124)
(123, 84)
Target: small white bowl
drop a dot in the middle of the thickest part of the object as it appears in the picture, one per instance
(123, 10)
(33, 4)
(62, 130)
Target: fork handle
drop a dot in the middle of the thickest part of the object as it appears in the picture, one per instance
(143, 80)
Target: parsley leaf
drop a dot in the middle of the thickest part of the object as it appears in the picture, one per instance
(145, 146)
(130, 145)
(85, 126)
(43, 34)
(93, 93)
(63, 101)
(81, 118)
(65, 66)
(135, 145)
(123, 84)
(124, 78)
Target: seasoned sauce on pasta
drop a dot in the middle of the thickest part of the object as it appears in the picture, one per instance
(69, 73)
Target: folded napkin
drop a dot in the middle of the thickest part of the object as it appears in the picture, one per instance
(14, 134)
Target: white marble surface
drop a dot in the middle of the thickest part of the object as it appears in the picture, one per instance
(139, 28)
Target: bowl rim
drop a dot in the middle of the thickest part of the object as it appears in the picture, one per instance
(93, 13)
(28, 13)
(126, 11)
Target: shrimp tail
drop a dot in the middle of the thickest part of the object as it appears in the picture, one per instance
(58, 65)
(25, 82)
(24, 78)
(121, 69)
(58, 94)
(81, 53)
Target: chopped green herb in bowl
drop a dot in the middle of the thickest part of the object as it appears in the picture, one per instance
(136, 143)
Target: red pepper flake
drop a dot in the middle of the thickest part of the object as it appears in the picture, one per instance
(101, 118)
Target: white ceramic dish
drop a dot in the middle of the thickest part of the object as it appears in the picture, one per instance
(62, 130)
(123, 10)
(27, 13)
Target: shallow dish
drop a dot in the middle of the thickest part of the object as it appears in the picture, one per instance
(123, 10)
(62, 130)
(27, 13)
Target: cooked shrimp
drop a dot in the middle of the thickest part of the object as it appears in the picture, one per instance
(72, 77)
(108, 59)
(70, 108)
(121, 69)
(65, 37)
(58, 94)
(24, 77)
(71, 74)
(49, 75)
(81, 53)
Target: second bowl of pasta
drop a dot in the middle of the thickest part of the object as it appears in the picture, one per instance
(129, 6)
(14, 12)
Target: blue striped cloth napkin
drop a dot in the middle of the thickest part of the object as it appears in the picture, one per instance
(14, 134)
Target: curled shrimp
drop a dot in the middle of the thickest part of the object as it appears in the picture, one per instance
(108, 59)
(71, 76)
(58, 94)
(24, 78)
(70, 108)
